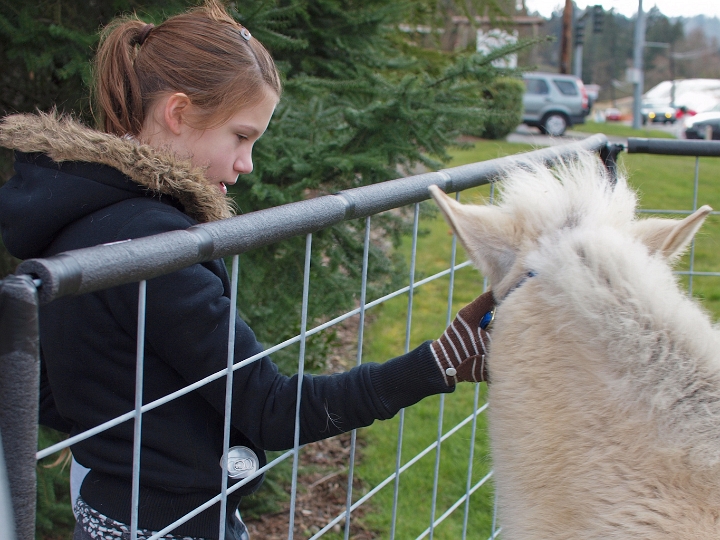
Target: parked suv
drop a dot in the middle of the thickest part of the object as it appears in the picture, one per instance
(554, 102)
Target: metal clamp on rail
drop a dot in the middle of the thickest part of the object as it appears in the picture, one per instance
(206, 244)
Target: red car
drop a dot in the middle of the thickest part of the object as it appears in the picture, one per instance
(684, 111)
(612, 115)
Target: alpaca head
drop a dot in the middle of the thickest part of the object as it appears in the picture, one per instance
(537, 202)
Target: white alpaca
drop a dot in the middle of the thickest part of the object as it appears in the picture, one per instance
(605, 377)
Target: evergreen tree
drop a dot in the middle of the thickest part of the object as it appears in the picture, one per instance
(362, 104)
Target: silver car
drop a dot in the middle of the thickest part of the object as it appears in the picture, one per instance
(554, 102)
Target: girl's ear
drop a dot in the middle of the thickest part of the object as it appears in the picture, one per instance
(485, 232)
(669, 237)
(175, 110)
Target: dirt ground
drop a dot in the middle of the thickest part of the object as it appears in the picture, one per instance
(321, 496)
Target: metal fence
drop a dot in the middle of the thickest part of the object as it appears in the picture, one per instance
(44, 280)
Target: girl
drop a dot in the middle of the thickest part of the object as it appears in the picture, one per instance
(182, 105)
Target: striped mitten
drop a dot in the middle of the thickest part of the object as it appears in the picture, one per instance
(461, 350)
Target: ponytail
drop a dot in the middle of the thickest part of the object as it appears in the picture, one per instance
(118, 91)
(203, 53)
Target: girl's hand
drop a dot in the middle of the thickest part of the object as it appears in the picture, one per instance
(461, 351)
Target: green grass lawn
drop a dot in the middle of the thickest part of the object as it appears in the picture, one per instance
(663, 182)
(621, 130)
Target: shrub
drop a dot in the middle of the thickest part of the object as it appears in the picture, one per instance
(504, 96)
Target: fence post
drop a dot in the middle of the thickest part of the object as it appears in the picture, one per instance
(19, 387)
(608, 155)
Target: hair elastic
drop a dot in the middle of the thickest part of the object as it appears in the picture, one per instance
(245, 33)
(144, 33)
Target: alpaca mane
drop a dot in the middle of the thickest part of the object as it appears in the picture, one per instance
(579, 190)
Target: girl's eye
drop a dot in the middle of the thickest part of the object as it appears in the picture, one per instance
(241, 137)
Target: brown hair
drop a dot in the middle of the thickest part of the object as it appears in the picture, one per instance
(203, 53)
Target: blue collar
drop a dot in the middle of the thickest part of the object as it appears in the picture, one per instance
(523, 280)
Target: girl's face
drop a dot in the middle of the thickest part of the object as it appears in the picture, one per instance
(224, 151)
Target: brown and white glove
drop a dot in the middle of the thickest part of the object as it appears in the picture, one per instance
(461, 350)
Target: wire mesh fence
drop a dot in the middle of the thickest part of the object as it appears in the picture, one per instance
(693, 150)
(140, 260)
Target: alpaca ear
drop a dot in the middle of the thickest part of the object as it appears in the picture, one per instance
(485, 232)
(670, 237)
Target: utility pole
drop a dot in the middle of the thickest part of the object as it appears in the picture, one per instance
(638, 77)
(566, 41)
(671, 58)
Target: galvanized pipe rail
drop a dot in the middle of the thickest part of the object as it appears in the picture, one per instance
(7, 520)
(91, 269)
(673, 147)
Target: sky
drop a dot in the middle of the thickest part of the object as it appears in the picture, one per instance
(671, 8)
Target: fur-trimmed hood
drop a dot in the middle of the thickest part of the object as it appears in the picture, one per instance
(63, 139)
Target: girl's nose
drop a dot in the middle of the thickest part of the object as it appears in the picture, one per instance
(243, 164)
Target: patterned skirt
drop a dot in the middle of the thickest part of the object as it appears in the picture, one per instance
(92, 525)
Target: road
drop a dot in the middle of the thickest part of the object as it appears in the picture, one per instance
(528, 135)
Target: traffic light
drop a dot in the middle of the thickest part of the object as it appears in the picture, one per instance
(597, 19)
(579, 33)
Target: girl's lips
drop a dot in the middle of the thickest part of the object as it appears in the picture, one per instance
(223, 188)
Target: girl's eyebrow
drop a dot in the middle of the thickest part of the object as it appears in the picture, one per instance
(249, 130)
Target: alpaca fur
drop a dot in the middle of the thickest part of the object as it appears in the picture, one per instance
(64, 139)
(605, 394)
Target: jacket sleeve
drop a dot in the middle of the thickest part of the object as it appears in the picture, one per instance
(49, 415)
(187, 320)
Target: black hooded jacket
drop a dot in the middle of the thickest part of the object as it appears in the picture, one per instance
(74, 188)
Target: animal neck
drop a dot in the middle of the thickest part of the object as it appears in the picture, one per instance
(489, 317)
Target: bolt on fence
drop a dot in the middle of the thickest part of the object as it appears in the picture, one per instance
(91, 269)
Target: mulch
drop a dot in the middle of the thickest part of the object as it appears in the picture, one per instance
(322, 489)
